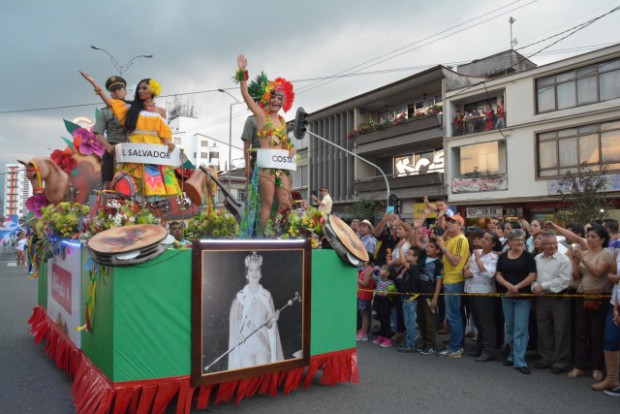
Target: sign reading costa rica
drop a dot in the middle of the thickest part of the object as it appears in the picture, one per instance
(275, 158)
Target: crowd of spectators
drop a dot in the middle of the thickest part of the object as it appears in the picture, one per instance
(528, 291)
(480, 119)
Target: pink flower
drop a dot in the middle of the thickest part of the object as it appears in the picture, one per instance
(64, 161)
(85, 140)
(36, 204)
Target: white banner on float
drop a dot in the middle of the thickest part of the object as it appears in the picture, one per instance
(275, 158)
(64, 291)
(147, 154)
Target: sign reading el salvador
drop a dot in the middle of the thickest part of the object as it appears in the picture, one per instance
(64, 290)
(147, 154)
(275, 158)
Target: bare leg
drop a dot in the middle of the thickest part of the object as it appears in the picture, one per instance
(283, 193)
(266, 188)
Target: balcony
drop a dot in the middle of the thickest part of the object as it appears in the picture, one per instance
(411, 126)
(474, 126)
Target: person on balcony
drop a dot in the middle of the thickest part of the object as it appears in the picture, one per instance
(489, 118)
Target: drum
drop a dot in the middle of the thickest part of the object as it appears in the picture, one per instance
(123, 246)
(344, 241)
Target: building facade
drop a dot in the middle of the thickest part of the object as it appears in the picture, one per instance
(555, 118)
(17, 189)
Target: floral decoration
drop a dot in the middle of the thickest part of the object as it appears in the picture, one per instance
(64, 160)
(85, 141)
(118, 213)
(63, 220)
(293, 224)
(154, 87)
(216, 225)
(36, 203)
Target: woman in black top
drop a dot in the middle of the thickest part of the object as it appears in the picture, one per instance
(516, 270)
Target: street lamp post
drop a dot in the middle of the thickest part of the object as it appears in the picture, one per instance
(237, 102)
(121, 68)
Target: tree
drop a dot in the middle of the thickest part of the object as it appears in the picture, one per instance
(366, 209)
(584, 192)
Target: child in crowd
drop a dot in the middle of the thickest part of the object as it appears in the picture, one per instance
(431, 271)
(384, 277)
(407, 285)
(365, 285)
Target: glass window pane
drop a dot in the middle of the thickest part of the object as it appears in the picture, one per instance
(610, 142)
(588, 149)
(566, 170)
(612, 167)
(548, 173)
(547, 135)
(612, 64)
(585, 72)
(547, 155)
(568, 152)
(480, 158)
(586, 90)
(588, 129)
(571, 132)
(546, 99)
(563, 77)
(545, 82)
(610, 85)
(566, 95)
(610, 125)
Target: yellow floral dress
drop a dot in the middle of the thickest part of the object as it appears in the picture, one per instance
(155, 182)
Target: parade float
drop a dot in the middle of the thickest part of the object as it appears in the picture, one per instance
(140, 322)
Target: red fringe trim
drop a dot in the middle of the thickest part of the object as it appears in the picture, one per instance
(94, 393)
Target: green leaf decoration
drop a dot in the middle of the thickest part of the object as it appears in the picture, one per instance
(71, 126)
(69, 143)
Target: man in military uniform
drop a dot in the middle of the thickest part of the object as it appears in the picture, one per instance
(108, 129)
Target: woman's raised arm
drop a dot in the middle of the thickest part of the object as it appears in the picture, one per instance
(242, 63)
(98, 91)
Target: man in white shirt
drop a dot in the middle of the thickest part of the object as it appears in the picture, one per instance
(325, 203)
(554, 273)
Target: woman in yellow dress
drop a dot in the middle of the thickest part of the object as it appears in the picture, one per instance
(145, 123)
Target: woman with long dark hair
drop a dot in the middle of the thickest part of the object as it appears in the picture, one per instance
(145, 123)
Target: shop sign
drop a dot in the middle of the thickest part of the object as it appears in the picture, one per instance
(406, 165)
(486, 211)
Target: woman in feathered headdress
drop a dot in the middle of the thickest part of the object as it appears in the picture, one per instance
(265, 98)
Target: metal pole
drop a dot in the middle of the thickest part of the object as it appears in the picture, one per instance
(230, 143)
(387, 184)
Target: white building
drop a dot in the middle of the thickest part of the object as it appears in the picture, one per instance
(557, 116)
(199, 148)
(17, 189)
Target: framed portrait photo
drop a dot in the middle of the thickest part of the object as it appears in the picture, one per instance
(250, 308)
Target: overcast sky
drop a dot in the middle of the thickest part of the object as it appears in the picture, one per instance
(195, 45)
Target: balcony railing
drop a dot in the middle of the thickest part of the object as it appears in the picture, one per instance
(473, 126)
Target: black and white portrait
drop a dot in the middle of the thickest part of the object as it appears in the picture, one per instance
(252, 308)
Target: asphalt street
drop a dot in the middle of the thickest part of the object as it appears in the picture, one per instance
(389, 381)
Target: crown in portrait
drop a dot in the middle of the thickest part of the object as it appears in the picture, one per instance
(253, 259)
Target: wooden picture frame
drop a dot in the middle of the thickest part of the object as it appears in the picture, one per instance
(240, 330)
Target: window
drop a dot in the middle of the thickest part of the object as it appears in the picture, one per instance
(597, 145)
(584, 86)
(241, 195)
(482, 160)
